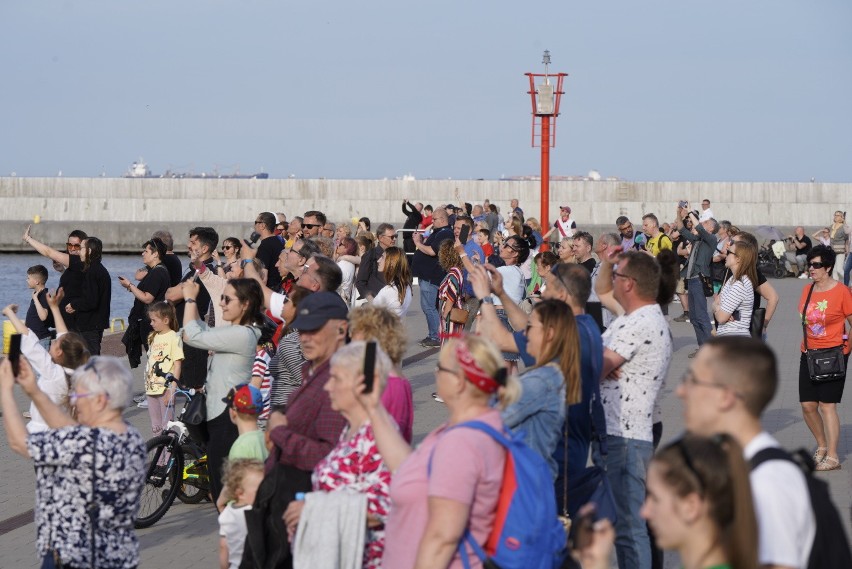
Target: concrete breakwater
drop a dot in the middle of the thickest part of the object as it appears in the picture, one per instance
(124, 211)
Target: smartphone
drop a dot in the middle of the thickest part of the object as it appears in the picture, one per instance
(15, 353)
(463, 234)
(369, 366)
(682, 204)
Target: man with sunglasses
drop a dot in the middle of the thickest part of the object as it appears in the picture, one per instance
(270, 246)
(72, 279)
(313, 224)
(369, 281)
(637, 353)
(728, 386)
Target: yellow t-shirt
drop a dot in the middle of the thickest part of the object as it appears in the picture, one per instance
(656, 244)
(166, 348)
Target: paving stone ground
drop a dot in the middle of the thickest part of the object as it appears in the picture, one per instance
(187, 534)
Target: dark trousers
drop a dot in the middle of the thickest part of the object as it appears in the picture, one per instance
(93, 341)
(223, 433)
(656, 553)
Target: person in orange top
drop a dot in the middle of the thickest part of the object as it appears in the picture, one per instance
(825, 317)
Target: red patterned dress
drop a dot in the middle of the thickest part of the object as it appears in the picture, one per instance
(355, 464)
(450, 292)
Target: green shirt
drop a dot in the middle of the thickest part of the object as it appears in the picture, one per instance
(249, 445)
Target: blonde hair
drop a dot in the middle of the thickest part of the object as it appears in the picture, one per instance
(380, 324)
(234, 472)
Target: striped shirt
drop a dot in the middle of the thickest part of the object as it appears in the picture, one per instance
(736, 295)
(286, 369)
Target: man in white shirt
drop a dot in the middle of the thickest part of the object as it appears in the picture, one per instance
(726, 389)
(706, 212)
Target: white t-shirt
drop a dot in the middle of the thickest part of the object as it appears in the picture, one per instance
(345, 288)
(565, 228)
(389, 298)
(513, 284)
(644, 340)
(736, 295)
(705, 215)
(782, 504)
(232, 526)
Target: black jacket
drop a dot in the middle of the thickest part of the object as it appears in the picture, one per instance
(92, 306)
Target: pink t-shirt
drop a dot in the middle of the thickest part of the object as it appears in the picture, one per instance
(398, 401)
(467, 466)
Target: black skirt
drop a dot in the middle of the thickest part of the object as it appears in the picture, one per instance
(828, 392)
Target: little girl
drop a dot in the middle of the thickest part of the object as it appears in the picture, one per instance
(242, 478)
(165, 354)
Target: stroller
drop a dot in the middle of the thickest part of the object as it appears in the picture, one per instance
(770, 263)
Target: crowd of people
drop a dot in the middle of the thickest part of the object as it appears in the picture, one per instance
(558, 336)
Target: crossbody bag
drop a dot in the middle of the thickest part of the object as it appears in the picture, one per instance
(825, 364)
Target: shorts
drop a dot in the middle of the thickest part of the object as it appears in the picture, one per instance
(828, 392)
(680, 288)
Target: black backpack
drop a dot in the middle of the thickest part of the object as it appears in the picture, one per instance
(831, 546)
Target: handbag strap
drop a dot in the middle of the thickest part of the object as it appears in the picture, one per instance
(804, 320)
(93, 505)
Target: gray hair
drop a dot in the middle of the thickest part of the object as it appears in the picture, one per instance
(108, 375)
(610, 238)
(351, 357)
(309, 248)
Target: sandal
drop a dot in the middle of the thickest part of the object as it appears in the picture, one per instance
(828, 463)
(819, 454)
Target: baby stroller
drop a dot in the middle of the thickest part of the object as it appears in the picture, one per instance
(770, 263)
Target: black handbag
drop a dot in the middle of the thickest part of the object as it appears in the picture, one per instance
(758, 318)
(826, 364)
(195, 412)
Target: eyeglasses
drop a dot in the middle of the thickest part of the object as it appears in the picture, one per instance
(391, 236)
(311, 225)
(690, 379)
(509, 245)
(626, 227)
(729, 252)
(622, 275)
(226, 299)
(816, 265)
(73, 246)
(73, 397)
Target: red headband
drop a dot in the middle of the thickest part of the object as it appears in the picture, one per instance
(472, 372)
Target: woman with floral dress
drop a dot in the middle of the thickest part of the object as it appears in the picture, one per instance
(354, 464)
(450, 289)
(89, 474)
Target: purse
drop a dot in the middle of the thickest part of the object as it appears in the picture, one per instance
(825, 364)
(706, 285)
(758, 317)
(195, 412)
(459, 315)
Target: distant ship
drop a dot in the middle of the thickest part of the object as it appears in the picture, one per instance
(140, 170)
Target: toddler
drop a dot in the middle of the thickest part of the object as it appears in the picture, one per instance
(242, 478)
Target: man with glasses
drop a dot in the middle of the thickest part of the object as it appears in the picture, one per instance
(728, 386)
(320, 274)
(290, 266)
(72, 279)
(313, 223)
(328, 230)
(429, 273)
(369, 281)
(270, 246)
(637, 353)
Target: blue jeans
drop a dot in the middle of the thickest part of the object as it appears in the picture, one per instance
(698, 315)
(428, 304)
(626, 465)
(847, 268)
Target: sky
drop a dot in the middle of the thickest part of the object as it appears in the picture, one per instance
(657, 90)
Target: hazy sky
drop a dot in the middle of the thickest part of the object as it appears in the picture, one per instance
(657, 90)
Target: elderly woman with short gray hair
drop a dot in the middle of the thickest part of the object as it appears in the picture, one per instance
(89, 471)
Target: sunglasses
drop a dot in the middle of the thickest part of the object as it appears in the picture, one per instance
(227, 247)
(731, 253)
(226, 299)
(509, 245)
(311, 225)
(816, 265)
(73, 246)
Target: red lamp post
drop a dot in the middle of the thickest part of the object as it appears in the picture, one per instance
(545, 98)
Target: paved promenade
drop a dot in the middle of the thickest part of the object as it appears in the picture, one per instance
(187, 535)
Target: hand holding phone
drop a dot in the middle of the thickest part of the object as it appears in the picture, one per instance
(369, 366)
(464, 233)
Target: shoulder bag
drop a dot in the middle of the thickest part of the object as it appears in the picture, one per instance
(826, 364)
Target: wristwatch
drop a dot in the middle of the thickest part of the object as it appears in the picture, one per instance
(487, 300)
(189, 300)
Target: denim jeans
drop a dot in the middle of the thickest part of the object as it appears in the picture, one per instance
(626, 465)
(428, 304)
(847, 268)
(698, 315)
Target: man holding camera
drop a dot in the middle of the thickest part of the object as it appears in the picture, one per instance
(697, 272)
(798, 246)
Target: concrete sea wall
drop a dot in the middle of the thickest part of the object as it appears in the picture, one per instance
(124, 211)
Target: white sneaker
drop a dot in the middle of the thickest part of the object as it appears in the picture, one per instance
(803, 276)
(143, 404)
(139, 398)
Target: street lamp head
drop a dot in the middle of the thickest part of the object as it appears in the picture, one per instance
(546, 58)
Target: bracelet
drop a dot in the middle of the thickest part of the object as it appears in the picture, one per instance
(244, 262)
(487, 300)
(189, 300)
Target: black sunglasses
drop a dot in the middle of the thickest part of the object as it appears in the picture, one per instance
(816, 265)
(311, 225)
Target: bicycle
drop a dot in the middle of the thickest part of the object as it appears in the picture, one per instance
(177, 468)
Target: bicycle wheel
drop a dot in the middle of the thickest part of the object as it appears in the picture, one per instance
(196, 482)
(162, 480)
